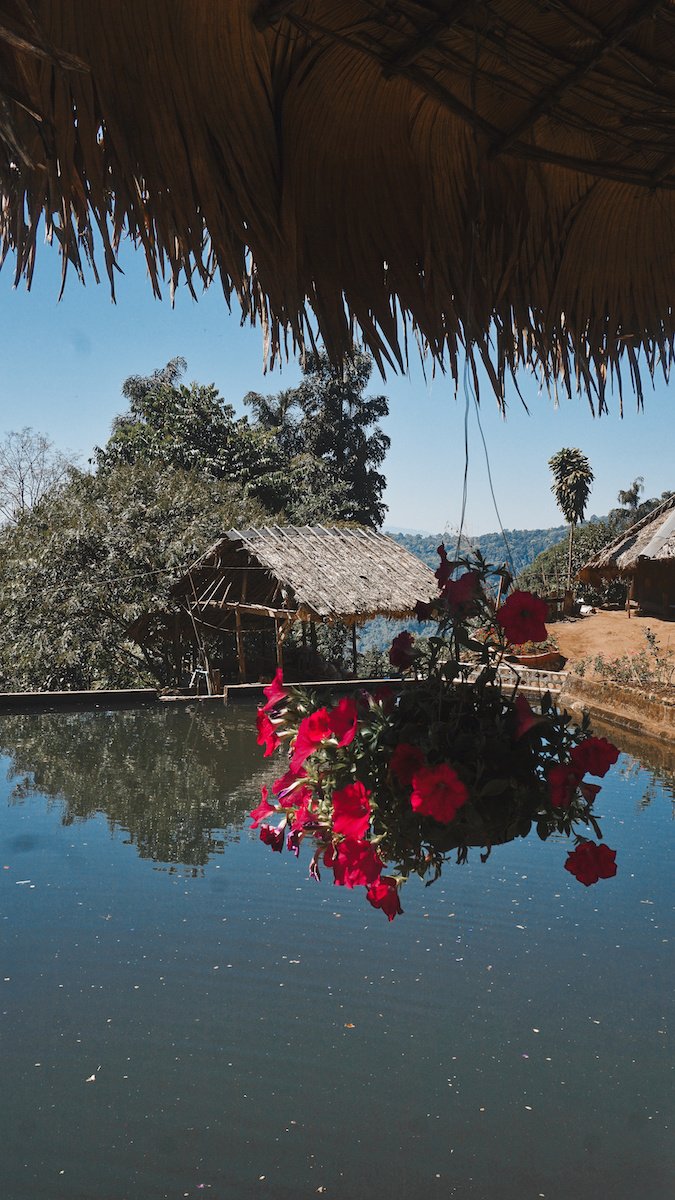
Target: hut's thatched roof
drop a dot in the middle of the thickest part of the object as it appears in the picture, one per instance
(311, 573)
(653, 537)
(498, 170)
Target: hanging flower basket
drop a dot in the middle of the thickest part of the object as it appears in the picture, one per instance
(394, 782)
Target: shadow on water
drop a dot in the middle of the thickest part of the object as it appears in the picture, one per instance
(178, 781)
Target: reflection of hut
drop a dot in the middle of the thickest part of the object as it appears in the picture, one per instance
(645, 555)
(238, 602)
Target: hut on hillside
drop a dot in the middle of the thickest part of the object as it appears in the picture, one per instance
(645, 555)
(236, 604)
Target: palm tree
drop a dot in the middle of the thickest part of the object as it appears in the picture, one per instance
(572, 481)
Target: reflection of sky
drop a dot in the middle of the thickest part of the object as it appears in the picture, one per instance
(246, 1022)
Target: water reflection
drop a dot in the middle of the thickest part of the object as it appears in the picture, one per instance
(177, 781)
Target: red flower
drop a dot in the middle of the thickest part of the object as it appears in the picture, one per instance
(402, 651)
(303, 815)
(343, 720)
(563, 781)
(445, 569)
(424, 611)
(267, 736)
(355, 864)
(272, 836)
(384, 894)
(405, 761)
(274, 691)
(385, 696)
(526, 718)
(263, 810)
(312, 731)
(591, 862)
(462, 594)
(285, 783)
(351, 810)
(594, 755)
(522, 618)
(438, 792)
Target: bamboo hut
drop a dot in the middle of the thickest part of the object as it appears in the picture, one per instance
(498, 176)
(645, 555)
(262, 581)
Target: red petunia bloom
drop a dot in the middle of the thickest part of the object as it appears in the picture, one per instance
(594, 755)
(351, 810)
(444, 570)
(424, 611)
(563, 782)
(263, 810)
(267, 735)
(591, 862)
(462, 594)
(274, 691)
(405, 761)
(438, 792)
(343, 720)
(526, 718)
(272, 836)
(384, 894)
(402, 651)
(385, 696)
(355, 864)
(522, 618)
(291, 780)
(312, 731)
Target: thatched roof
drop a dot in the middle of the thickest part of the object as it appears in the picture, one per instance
(311, 573)
(651, 538)
(476, 169)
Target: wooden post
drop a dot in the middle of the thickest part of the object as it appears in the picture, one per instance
(354, 653)
(240, 646)
(279, 646)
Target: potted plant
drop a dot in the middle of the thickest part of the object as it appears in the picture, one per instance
(394, 782)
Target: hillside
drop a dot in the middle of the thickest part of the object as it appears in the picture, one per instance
(524, 545)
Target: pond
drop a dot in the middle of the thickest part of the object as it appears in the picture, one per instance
(185, 1014)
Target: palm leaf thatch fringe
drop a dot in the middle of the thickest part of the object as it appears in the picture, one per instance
(307, 573)
(652, 537)
(497, 176)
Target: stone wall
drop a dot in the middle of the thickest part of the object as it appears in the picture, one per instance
(635, 709)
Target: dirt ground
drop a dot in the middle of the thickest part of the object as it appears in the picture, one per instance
(611, 634)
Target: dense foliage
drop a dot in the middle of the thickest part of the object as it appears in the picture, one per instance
(547, 573)
(330, 442)
(89, 558)
(90, 552)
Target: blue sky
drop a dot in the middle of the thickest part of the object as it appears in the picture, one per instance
(64, 364)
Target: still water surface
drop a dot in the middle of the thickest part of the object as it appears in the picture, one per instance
(184, 1014)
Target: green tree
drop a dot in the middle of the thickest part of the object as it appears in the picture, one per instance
(330, 441)
(95, 553)
(572, 482)
(630, 498)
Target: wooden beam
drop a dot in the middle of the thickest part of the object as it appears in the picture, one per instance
(241, 658)
(551, 96)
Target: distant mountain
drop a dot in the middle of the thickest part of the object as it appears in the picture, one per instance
(523, 545)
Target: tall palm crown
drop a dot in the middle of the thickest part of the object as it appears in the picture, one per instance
(572, 482)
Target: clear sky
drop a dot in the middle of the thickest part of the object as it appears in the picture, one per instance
(64, 363)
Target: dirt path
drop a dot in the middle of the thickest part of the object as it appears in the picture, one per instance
(611, 634)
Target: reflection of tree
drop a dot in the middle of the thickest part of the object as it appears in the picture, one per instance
(171, 778)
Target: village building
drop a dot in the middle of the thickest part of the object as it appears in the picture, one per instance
(236, 605)
(644, 555)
